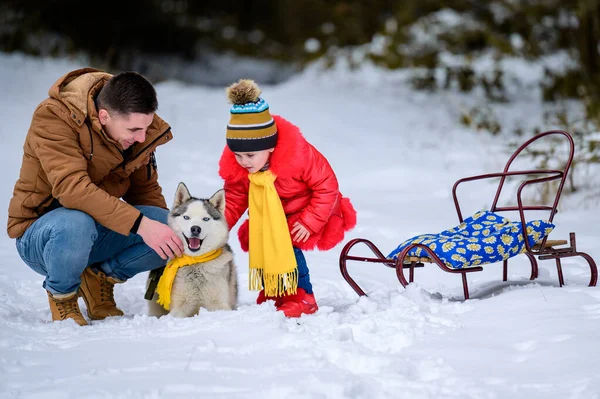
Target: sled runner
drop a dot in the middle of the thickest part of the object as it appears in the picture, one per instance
(487, 236)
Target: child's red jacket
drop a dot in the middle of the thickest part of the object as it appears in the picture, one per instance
(306, 184)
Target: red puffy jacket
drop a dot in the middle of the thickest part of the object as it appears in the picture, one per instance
(306, 185)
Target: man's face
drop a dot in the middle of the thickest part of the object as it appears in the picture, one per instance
(125, 129)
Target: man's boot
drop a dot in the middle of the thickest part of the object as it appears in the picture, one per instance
(97, 292)
(64, 306)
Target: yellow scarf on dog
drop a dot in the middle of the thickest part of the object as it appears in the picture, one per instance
(272, 261)
(165, 284)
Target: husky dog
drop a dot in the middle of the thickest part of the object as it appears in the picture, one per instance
(201, 225)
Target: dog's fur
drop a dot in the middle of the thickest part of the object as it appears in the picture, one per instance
(201, 225)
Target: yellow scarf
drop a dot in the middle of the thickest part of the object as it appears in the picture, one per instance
(163, 289)
(272, 260)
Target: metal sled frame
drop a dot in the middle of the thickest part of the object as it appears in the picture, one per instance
(546, 249)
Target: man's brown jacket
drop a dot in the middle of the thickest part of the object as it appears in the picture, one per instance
(68, 160)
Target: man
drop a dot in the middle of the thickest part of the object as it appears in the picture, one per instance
(87, 210)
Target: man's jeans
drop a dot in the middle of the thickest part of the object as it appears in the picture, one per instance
(63, 242)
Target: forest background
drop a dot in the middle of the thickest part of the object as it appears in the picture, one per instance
(440, 43)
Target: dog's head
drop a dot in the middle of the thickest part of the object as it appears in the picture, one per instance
(200, 223)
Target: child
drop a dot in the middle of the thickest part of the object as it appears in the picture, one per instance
(292, 198)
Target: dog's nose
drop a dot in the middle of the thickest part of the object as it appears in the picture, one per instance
(196, 230)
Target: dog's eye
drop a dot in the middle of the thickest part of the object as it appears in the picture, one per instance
(206, 219)
(186, 217)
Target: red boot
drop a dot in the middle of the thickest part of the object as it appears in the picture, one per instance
(299, 304)
(262, 298)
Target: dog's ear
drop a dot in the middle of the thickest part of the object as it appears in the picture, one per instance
(218, 200)
(181, 195)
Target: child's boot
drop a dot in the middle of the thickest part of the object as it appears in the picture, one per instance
(299, 304)
(262, 298)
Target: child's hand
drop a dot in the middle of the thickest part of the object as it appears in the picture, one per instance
(301, 232)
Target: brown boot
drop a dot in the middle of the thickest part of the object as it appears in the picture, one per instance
(97, 292)
(65, 307)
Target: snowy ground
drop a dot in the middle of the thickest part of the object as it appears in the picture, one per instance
(396, 153)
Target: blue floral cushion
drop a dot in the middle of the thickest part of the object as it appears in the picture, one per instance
(485, 237)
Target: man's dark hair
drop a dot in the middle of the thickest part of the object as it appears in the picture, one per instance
(127, 93)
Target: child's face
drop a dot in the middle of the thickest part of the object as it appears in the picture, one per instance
(253, 161)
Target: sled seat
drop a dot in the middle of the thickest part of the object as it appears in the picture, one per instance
(487, 236)
(483, 238)
(424, 259)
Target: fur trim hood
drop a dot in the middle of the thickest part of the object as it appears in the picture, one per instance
(77, 89)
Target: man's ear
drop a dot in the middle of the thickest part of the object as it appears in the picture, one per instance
(103, 116)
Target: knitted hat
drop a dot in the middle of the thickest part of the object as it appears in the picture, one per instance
(251, 127)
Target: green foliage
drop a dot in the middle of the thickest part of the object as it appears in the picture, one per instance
(424, 81)
(481, 118)
(586, 162)
(465, 80)
(462, 76)
(276, 29)
(557, 86)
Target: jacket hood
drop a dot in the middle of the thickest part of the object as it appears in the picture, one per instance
(290, 152)
(77, 90)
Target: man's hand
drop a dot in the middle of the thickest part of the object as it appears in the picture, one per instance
(160, 238)
(302, 233)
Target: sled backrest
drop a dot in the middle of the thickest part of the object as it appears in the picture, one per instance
(536, 176)
(529, 177)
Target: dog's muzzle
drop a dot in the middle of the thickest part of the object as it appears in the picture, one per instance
(194, 242)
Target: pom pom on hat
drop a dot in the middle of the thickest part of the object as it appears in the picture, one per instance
(251, 127)
(243, 91)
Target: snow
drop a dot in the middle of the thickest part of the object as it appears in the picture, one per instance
(397, 153)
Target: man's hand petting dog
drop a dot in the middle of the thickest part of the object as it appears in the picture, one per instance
(160, 238)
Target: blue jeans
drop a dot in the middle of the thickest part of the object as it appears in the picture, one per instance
(303, 273)
(63, 242)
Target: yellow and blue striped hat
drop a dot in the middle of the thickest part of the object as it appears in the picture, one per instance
(251, 127)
